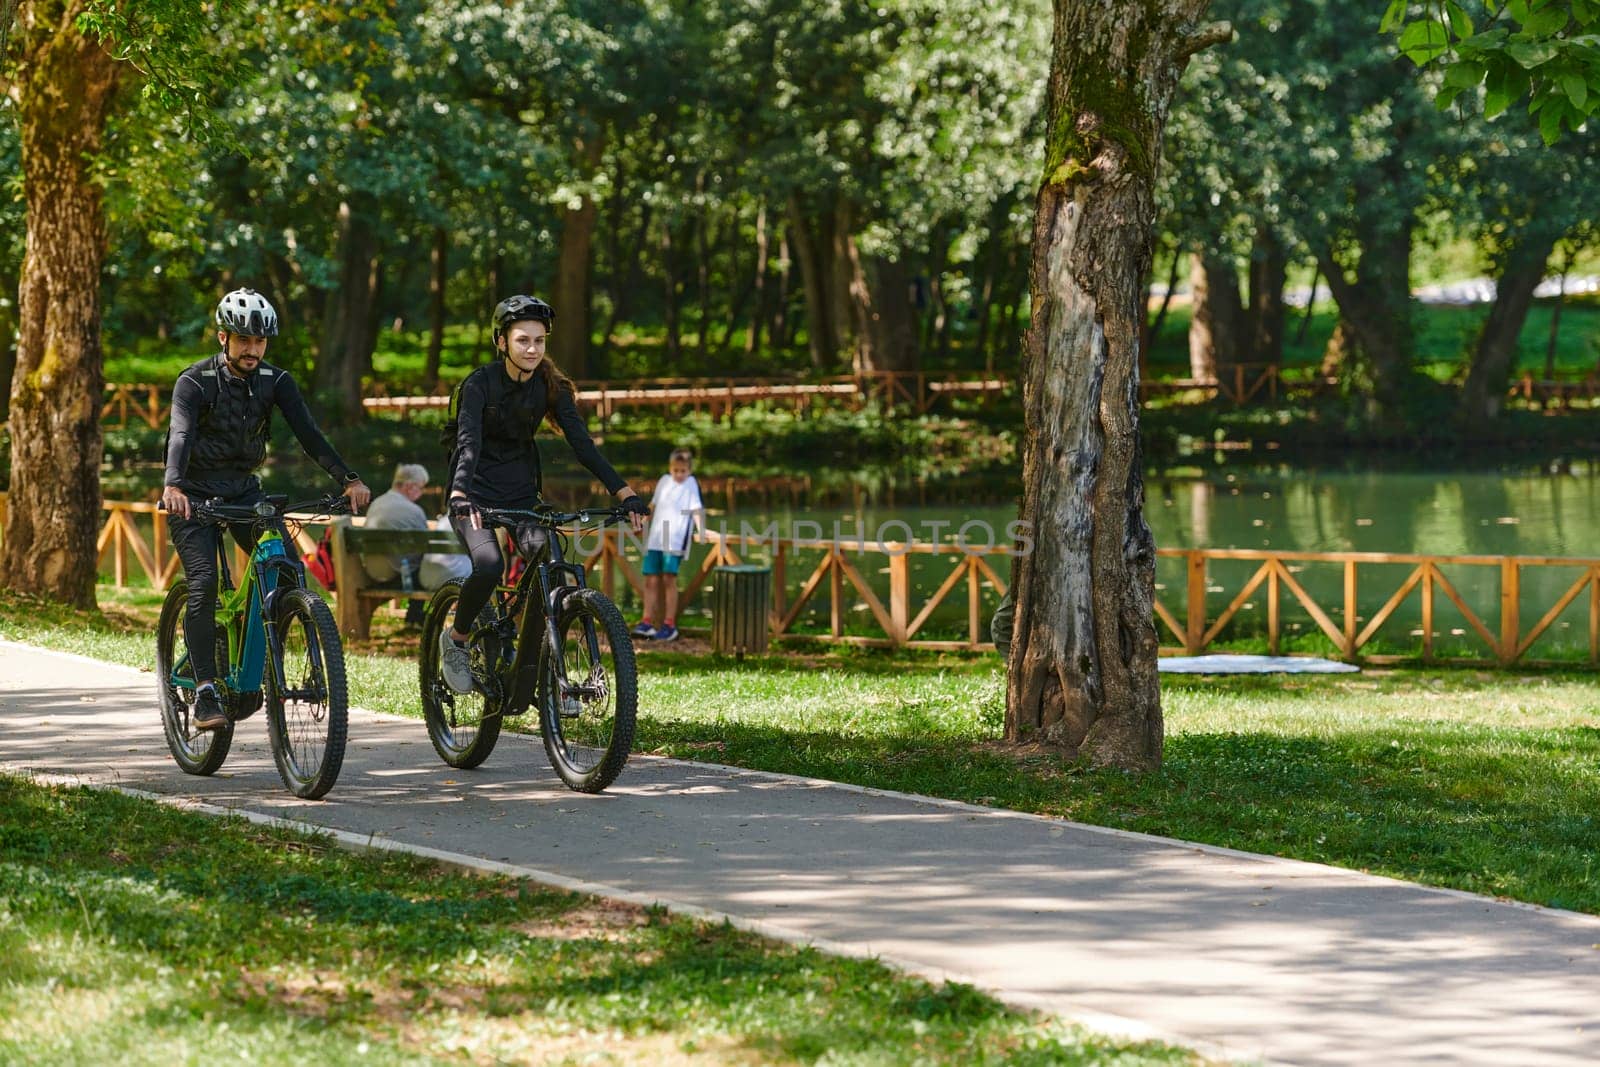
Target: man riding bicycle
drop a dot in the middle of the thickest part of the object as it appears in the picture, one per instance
(221, 419)
(494, 460)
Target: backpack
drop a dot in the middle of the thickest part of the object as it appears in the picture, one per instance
(452, 420)
(209, 388)
(319, 561)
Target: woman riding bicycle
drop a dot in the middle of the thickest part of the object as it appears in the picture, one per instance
(494, 460)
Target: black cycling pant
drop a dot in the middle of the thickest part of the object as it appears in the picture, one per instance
(198, 544)
(488, 563)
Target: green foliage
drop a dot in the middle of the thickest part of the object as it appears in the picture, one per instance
(1544, 51)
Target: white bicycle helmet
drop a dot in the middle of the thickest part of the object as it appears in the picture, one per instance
(247, 313)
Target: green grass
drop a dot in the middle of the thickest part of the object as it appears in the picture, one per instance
(1478, 780)
(133, 933)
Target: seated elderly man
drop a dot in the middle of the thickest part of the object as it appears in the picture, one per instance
(398, 510)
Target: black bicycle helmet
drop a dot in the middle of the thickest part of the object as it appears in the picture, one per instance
(521, 309)
(247, 313)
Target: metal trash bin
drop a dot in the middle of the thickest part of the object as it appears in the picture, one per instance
(740, 603)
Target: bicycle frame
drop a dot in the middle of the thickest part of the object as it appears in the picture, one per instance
(549, 577)
(245, 615)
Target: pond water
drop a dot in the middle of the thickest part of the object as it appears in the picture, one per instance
(1523, 511)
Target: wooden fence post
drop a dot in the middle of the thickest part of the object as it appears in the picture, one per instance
(899, 596)
(1510, 605)
(1351, 615)
(1195, 628)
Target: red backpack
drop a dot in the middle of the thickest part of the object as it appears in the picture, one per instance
(319, 561)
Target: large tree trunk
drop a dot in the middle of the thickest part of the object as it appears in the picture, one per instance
(1485, 392)
(1375, 315)
(889, 340)
(842, 267)
(438, 278)
(809, 240)
(66, 84)
(349, 328)
(569, 341)
(1266, 314)
(1216, 318)
(1082, 669)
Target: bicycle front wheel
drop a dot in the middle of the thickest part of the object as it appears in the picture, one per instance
(196, 751)
(588, 724)
(308, 720)
(462, 726)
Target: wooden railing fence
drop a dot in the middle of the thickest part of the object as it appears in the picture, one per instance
(1238, 384)
(1356, 603)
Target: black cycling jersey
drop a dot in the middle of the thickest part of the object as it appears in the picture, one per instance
(221, 422)
(495, 460)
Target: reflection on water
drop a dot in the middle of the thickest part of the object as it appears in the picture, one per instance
(1447, 513)
(1531, 513)
(1523, 513)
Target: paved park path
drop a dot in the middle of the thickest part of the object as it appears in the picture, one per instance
(1245, 955)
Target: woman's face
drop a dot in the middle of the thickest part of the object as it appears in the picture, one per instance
(524, 346)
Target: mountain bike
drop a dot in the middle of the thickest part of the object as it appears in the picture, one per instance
(549, 639)
(277, 645)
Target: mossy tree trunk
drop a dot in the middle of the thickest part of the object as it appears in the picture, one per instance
(1082, 672)
(63, 84)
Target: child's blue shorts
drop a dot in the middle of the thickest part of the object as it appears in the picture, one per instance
(659, 562)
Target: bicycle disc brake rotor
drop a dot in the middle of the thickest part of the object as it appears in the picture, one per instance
(484, 654)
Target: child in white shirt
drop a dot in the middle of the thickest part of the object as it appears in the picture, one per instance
(675, 513)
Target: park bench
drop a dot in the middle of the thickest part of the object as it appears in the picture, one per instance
(357, 595)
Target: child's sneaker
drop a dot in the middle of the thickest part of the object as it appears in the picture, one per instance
(644, 630)
(667, 632)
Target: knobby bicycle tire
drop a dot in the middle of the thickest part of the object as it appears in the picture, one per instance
(450, 735)
(585, 761)
(309, 766)
(177, 712)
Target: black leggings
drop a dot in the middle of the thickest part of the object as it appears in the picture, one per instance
(197, 544)
(488, 564)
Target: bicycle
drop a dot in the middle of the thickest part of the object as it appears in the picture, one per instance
(271, 620)
(579, 668)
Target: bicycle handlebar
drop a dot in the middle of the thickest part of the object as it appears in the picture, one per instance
(552, 518)
(217, 510)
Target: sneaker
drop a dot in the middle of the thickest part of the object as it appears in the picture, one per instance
(570, 706)
(454, 663)
(667, 632)
(644, 629)
(208, 711)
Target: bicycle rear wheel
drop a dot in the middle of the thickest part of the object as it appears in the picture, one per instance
(196, 751)
(308, 721)
(462, 726)
(588, 730)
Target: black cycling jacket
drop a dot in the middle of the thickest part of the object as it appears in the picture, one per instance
(229, 441)
(495, 460)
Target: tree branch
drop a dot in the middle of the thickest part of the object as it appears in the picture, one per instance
(1212, 33)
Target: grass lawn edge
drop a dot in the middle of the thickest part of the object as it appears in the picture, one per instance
(1117, 1027)
(761, 927)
